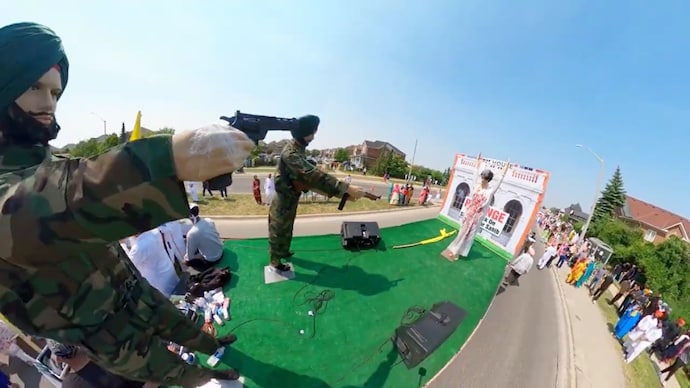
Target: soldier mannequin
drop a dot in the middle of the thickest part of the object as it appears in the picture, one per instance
(295, 175)
(61, 276)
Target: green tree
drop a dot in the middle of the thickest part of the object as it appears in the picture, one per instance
(166, 131)
(664, 266)
(392, 163)
(315, 153)
(341, 155)
(110, 142)
(421, 173)
(612, 197)
(578, 226)
(123, 134)
(85, 149)
(446, 176)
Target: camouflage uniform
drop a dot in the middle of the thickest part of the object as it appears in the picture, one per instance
(61, 278)
(294, 175)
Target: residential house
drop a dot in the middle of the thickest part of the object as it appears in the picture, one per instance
(656, 223)
(369, 151)
(575, 213)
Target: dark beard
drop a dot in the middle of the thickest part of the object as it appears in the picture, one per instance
(19, 127)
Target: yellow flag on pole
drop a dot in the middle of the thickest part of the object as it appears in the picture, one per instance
(136, 132)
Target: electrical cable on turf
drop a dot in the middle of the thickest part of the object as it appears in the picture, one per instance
(318, 302)
(410, 315)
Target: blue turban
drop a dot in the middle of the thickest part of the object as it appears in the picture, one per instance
(306, 125)
(27, 51)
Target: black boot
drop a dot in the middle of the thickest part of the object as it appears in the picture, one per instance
(281, 267)
(229, 374)
(227, 340)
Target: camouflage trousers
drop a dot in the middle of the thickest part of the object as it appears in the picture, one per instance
(281, 221)
(133, 342)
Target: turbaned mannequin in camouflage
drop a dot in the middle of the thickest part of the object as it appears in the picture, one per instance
(61, 276)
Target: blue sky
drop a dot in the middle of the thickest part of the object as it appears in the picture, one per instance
(524, 81)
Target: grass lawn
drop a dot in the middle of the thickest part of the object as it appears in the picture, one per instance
(355, 174)
(640, 373)
(346, 344)
(244, 205)
(683, 380)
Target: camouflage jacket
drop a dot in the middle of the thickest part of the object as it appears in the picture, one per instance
(59, 272)
(302, 175)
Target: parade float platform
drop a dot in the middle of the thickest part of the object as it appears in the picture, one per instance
(347, 342)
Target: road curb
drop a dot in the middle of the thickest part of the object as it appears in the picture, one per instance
(568, 379)
(325, 215)
(457, 354)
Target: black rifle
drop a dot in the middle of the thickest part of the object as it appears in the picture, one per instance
(256, 127)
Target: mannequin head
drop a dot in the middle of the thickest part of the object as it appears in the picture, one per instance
(40, 100)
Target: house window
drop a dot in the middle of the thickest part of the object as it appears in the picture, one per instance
(650, 235)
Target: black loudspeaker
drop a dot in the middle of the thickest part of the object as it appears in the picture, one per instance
(360, 234)
(416, 341)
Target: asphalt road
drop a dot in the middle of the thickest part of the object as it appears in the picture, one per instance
(242, 184)
(517, 343)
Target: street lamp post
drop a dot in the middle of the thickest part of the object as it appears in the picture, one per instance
(409, 173)
(600, 182)
(105, 131)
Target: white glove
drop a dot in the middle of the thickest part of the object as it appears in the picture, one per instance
(210, 151)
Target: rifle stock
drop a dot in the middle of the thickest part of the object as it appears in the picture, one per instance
(366, 195)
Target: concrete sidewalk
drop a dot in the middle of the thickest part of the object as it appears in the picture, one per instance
(597, 357)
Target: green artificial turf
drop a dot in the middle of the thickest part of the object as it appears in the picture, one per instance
(347, 344)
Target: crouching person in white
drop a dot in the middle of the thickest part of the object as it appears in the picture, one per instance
(148, 254)
(204, 247)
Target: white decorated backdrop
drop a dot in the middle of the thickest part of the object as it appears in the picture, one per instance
(513, 207)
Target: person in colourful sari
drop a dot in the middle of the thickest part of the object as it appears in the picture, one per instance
(630, 318)
(423, 196)
(586, 275)
(577, 271)
(395, 197)
(408, 195)
(390, 192)
(256, 190)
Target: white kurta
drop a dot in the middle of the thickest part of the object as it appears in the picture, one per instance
(269, 190)
(173, 236)
(636, 347)
(549, 252)
(194, 192)
(522, 264)
(150, 258)
(645, 324)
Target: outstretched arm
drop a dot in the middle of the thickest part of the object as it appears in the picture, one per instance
(477, 170)
(71, 203)
(503, 175)
(301, 169)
